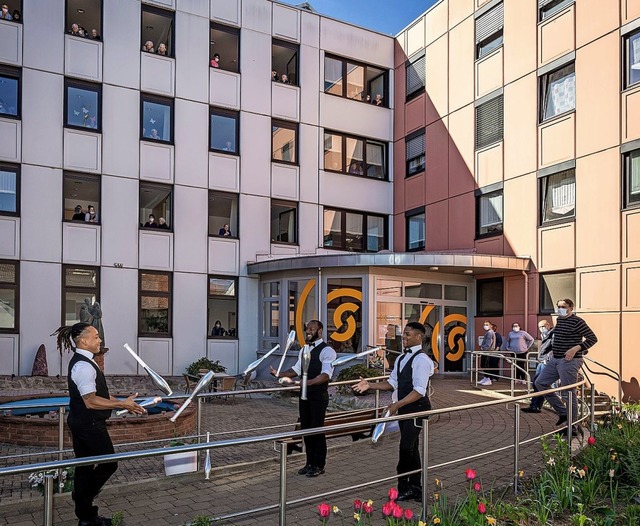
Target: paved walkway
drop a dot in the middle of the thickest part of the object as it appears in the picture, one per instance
(248, 477)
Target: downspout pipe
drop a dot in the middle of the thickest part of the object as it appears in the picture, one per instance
(525, 275)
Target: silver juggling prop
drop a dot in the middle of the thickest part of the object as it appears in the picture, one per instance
(306, 360)
(254, 365)
(145, 403)
(348, 358)
(290, 339)
(207, 462)
(159, 382)
(379, 429)
(202, 384)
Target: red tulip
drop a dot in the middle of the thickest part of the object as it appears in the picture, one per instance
(367, 508)
(397, 512)
(408, 514)
(324, 510)
(357, 504)
(387, 509)
(393, 493)
(482, 508)
(591, 441)
(477, 486)
(470, 473)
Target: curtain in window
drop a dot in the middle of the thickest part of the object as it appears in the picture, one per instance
(561, 91)
(375, 161)
(634, 177)
(561, 192)
(375, 233)
(635, 52)
(355, 158)
(333, 76)
(491, 210)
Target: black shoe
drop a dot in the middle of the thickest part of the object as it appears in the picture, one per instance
(86, 523)
(561, 420)
(530, 410)
(304, 470)
(314, 472)
(102, 521)
(412, 493)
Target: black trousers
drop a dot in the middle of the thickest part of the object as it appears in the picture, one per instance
(490, 366)
(312, 413)
(522, 361)
(409, 454)
(90, 439)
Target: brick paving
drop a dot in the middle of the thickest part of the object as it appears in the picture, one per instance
(248, 477)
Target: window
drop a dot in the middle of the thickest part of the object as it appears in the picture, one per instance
(9, 296)
(284, 61)
(13, 11)
(155, 304)
(632, 58)
(224, 131)
(284, 142)
(81, 195)
(489, 122)
(224, 48)
(548, 8)
(416, 230)
(489, 29)
(489, 297)
(284, 222)
(361, 156)
(223, 214)
(10, 79)
(80, 293)
(83, 105)
(558, 92)
(632, 178)
(354, 231)
(554, 287)
(416, 75)
(157, 119)
(155, 206)
(489, 210)
(415, 151)
(9, 189)
(222, 307)
(83, 18)
(558, 196)
(157, 31)
(363, 82)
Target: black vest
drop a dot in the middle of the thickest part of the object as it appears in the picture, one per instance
(315, 369)
(405, 386)
(77, 407)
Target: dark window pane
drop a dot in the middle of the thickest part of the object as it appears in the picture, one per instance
(283, 222)
(224, 133)
(156, 121)
(375, 234)
(416, 227)
(284, 61)
(354, 232)
(422, 290)
(223, 214)
(82, 107)
(155, 206)
(157, 31)
(633, 177)
(490, 297)
(81, 195)
(9, 87)
(455, 292)
(375, 160)
(224, 48)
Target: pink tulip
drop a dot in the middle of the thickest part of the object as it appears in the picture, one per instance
(477, 486)
(470, 473)
(393, 493)
(324, 510)
(357, 504)
(397, 512)
(387, 509)
(482, 508)
(591, 441)
(408, 514)
(367, 508)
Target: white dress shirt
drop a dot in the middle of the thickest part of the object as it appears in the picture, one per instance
(327, 356)
(422, 370)
(83, 374)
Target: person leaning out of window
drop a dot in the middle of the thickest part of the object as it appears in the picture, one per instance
(91, 216)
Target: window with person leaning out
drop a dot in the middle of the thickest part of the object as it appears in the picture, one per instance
(161, 223)
(218, 329)
(225, 231)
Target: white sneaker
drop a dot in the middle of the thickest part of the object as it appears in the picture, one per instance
(488, 382)
(485, 381)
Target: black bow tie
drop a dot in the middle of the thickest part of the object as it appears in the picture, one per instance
(312, 345)
(407, 350)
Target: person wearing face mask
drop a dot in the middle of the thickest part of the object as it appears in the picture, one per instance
(518, 343)
(572, 338)
(488, 363)
(544, 351)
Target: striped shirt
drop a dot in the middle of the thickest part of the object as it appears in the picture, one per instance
(569, 332)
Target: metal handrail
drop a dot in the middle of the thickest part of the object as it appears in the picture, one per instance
(510, 359)
(614, 374)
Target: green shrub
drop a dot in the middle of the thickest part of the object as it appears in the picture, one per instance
(205, 363)
(353, 373)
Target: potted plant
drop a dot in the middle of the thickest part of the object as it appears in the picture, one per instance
(177, 463)
(204, 364)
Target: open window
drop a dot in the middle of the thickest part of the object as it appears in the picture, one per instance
(222, 307)
(548, 8)
(224, 48)
(489, 30)
(83, 105)
(81, 194)
(489, 213)
(11, 11)
(157, 118)
(83, 18)
(632, 58)
(489, 297)
(223, 214)
(356, 81)
(224, 131)
(415, 152)
(9, 189)
(354, 231)
(558, 197)
(554, 287)
(558, 92)
(10, 81)
(80, 292)
(631, 183)
(363, 157)
(155, 206)
(416, 229)
(284, 62)
(157, 31)
(284, 222)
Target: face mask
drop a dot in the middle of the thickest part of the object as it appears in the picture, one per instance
(562, 311)
(486, 327)
(516, 329)
(543, 331)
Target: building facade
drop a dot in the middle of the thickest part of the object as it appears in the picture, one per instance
(482, 164)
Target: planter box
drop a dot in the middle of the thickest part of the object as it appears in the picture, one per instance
(178, 463)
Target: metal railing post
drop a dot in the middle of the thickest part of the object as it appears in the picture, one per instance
(512, 374)
(199, 421)
(377, 391)
(569, 418)
(48, 500)
(425, 467)
(60, 442)
(283, 485)
(516, 447)
(592, 418)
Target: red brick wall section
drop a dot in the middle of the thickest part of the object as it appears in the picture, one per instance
(36, 431)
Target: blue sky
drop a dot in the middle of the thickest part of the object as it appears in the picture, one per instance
(385, 16)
